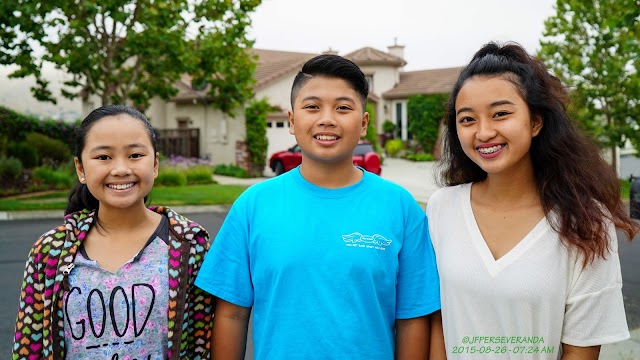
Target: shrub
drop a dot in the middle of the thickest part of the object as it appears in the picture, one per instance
(256, 127)
(57, 179)
(24, 152)
(49, 150)
(393, 147)
(425, 113)
(16, 126)
(420, 157)
(10, 168)
(230, 170)
(183, 161)
(388, 127)
(199, 175)
(171, 176)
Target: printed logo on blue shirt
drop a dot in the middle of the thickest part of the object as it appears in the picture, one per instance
(376, 241)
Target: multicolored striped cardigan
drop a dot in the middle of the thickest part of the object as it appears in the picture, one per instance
(39, 326)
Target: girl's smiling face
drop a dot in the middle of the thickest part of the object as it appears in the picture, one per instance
(118, 163)
(494, 124)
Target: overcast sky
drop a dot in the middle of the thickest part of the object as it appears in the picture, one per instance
(436, 34)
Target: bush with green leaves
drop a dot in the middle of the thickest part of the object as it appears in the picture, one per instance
(171, 176)
(24, 152)
(372, 134)
(10, 168)
(50, 151)
(16, 126)
(199, 175)
(425, 113)
(53, 178)
(257, 142)
(230, 170)
(393, 147)
(388, 127)
(419, 157)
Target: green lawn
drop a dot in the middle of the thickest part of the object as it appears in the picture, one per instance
(213, 194)
(625, 188)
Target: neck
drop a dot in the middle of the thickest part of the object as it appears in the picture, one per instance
(116, 219)
(510, 189)
(330, 175)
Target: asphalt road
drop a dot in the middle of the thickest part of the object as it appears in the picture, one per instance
(18, 237)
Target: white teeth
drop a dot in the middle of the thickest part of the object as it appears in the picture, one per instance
(490, 150)
(120, 187)
(326, 137)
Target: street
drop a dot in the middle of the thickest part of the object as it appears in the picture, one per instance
(19, 235)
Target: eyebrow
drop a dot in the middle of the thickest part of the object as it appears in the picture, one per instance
(340, 98)
(492, 105)
(107, 147)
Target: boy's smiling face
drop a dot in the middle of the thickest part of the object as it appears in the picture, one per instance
(328, 121)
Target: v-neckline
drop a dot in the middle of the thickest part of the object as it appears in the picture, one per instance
(495, 266)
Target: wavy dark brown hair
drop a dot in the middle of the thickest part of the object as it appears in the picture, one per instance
(571, 176)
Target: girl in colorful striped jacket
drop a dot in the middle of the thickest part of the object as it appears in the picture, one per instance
(116, 280)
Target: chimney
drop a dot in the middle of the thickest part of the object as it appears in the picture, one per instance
(330, 52)
(396, 50)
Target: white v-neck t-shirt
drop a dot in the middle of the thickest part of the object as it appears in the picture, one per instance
(529, 301)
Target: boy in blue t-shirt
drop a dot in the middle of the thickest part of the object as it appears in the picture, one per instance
(336, 262)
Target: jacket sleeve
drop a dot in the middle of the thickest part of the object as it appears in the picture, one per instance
(200, 308)
(28, 339)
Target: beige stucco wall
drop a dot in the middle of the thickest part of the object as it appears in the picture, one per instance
(278, 93)
(385, 78)
(218, 132)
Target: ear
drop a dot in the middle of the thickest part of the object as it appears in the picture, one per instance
(365, 123)
(292, 130)
(156, 165)
(79, 169)
(537, 123)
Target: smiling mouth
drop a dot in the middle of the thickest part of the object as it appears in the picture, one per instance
(326, 137)
(120, 186)
(490, 150)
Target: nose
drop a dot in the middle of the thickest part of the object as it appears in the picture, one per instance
(120, 167)
(486, 130)
(327, 119)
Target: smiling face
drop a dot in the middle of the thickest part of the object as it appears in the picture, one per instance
(118, 163)
(328, 121)
(494, 125)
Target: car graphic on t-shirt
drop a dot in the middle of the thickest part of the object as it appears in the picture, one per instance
(376, 239)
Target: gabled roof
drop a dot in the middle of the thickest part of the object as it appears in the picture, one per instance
(437, 81)
(273, 64)
(186, 93)
(371, 56)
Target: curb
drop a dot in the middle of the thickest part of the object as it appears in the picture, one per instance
(59, 214)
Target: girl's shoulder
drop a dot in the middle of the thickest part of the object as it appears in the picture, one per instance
(181, 226)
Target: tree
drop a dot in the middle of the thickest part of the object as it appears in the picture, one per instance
(127, 51)
(593, 46)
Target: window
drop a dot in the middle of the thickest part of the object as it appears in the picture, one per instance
(370, 81)
(269, 124)
(183, 122)
(280, 124)
(398, 119)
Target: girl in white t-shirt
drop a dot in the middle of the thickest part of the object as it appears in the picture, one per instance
(524, 231)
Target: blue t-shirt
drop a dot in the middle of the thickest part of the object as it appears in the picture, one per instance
(327, 271)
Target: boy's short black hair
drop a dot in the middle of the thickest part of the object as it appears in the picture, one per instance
(332, 66)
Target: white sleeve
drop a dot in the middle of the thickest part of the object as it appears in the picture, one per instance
(594, 312)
